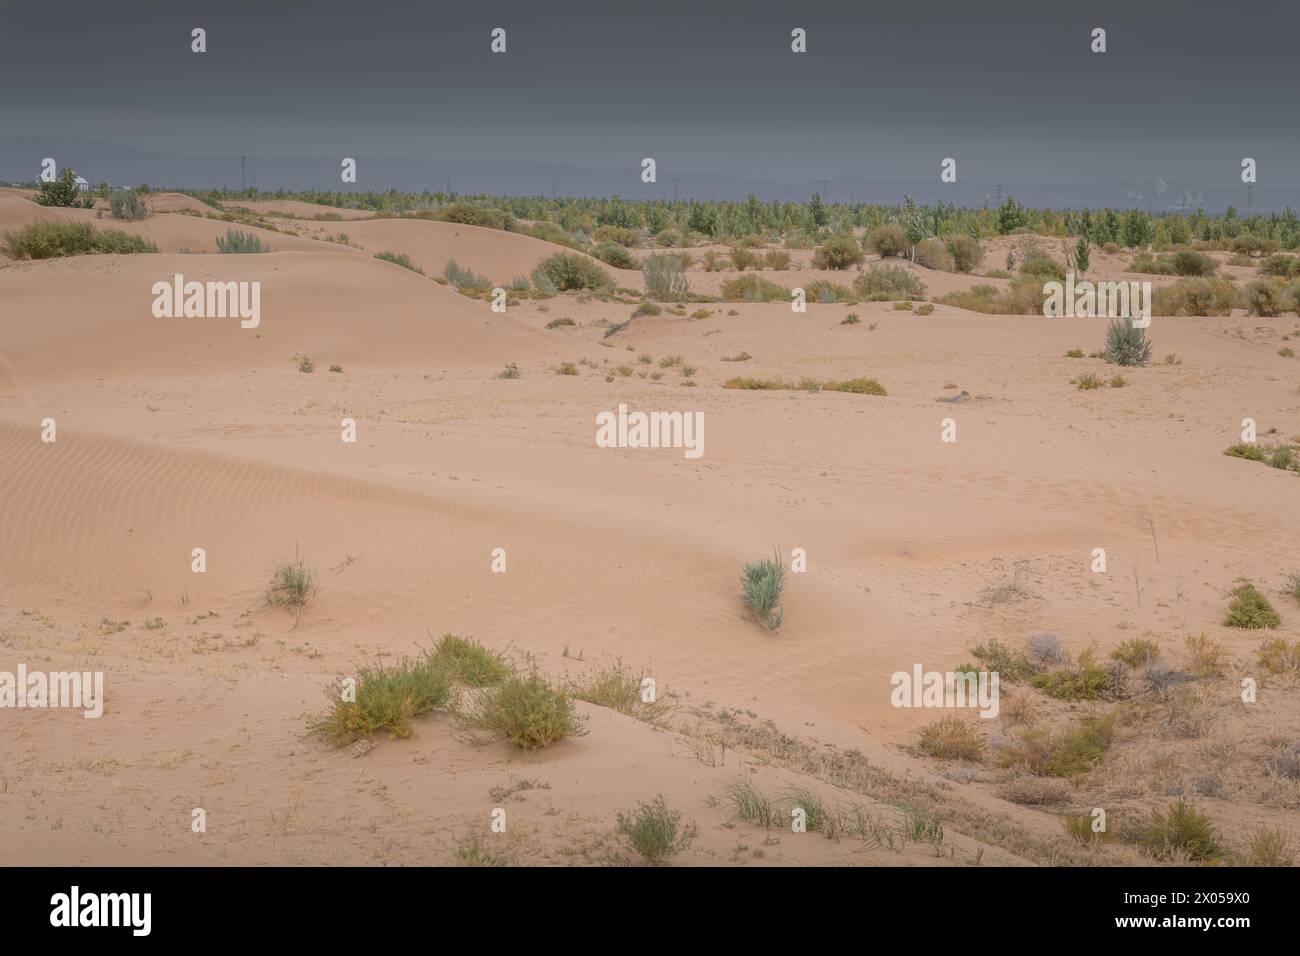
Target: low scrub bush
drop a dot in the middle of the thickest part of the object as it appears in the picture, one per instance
(886, 283)
(55, 239)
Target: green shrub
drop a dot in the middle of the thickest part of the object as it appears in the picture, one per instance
(646, 308)
(629, 238)
(386, 698)
(570, 271)
(665, 277)
(1250, 609)
(127, 204)
(529, 712)
(1042, 268)
(838, 252)
(886, 283)
(827, 293)
(1008, 664)
(235, 242)
(762, 586)
(1088, 382)
(654, 832)
(1280, 266)
(1070, 753)
(1126, 344)
(1180, 832)
(1085, 679)
(469, 661)
(1249, 245)
(1270, 847)
(1246, 450)
(55, 239)
(613, 254)
(1278, 657)
(64, 192)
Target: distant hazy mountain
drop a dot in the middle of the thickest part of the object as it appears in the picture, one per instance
(20, 160)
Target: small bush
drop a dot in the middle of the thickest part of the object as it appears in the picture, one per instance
(887, 241)
(1270, 847)
(237, 242)
(1034, 791)
(752, 288)
(738, 357)
(566, 368)
(613, 254)
(1214, 296)
(1246, 450)
(1264, 297)
(1088, 381)
(305, 364)
(1207, 655)
(1126, 344)
(1180, 832)
(529, 712)
(469, 661)
(560, 323)
(1042, 268)
(665, 277)
(1248, 245)
(934, 254)
(55, 239)
(1045, 649)
(838, 252)
(762, 587)
(777, 259)
(571, 271)
(886, 283)
(926, 309)
(1070, 753)
(1250, 609)
(951, 738)
(1280, 266)
(1136, 652)
(386, 698)
(655, 832)
(1010, 665)
(127, 204)
(1278, 657)
(1083, 680)
(646, 308)
(510, 371)
(966, 252)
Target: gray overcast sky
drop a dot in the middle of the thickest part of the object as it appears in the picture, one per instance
(1008, 87)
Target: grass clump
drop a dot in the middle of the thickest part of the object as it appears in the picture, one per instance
(453, 272)
(384, 698)
(292, 586)
(306, 365)
(510, 371)
(951, 738)
(1085, 679)
(1278, 657)
(1270, 847)
(1180, 832)
(1250, 609)
(56, 239)
(654, 832)
(236, 242)
(529, 712)
(474, 851)
(751, 805)
(762, 587)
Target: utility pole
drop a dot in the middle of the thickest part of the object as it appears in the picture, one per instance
(674, 190)
(1250, 200)
(999, 195)
(552, 190)
(825, 184)
(449, 186)
(243, 179)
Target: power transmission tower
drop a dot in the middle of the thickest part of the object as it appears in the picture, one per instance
(243, 179)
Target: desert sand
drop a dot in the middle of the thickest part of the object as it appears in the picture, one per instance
(175, 434)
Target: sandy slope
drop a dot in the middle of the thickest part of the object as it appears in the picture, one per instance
(184, 433)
